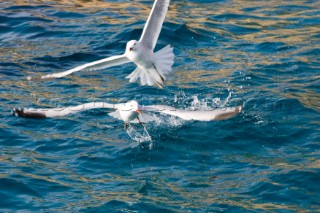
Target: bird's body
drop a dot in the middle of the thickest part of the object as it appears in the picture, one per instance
(128, 116)
(128, 111)
(151, 67)
(145, 60)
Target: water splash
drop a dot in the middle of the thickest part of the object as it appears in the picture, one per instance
(195, 102)
(140, 135)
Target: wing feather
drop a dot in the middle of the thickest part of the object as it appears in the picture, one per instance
(62, 111)
(96, 65)
(198, 115)
(154, 23)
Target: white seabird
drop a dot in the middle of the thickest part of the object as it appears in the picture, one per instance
(151, 67)
(132, 112)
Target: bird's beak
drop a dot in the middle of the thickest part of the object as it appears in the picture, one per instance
(138, 111)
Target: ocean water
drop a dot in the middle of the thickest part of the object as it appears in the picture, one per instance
(263, 54)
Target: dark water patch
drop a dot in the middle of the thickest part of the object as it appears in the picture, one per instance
(252, 9)
(18, 20)
(38, 63)
(196, 186)
(115, 205)
(53, 146)
(127, 35)
(13, 186)
(310, 21)
(10, 69)
(9, 64)
(51, 34)
(254, 79)
(4, 29)
(68, 145)
(210, 65)
(296, 70)
(27, 31)
(305, 181)
(211, 39)
(68, 15)
(65, 60)
(231, 16)
(26, 7)
(101, 163)
(270, 192)
(79, 57)
(210, 1)
(110, 47)
(271, 47)
(10, 188)
(218, 207)
(44, 185)
(280, 193)
(106, 25)
(4, 19)
(288, 9)
(310, 52)
(235, 29)
(190, 36)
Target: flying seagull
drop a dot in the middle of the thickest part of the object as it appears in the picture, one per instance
(151, 66)
(132, 112)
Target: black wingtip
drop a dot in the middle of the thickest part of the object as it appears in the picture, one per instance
(160, 85)
(20, 112)
(39, 78)
(15, 112)
(35, 78)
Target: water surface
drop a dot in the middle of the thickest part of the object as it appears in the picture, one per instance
(264, 54)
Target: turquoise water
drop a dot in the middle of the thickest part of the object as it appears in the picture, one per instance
(264, 54)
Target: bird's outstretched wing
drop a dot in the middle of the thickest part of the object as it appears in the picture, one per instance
(198, 115)
(154, 23)
(96, 65)
(62, 111)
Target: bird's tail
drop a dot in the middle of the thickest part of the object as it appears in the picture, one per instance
(164, 60)
(155, 75)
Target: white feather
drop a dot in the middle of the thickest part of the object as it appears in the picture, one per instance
(145, 118)
(62, 111)
(115, 114)
(154, 23)
(130, 111)
(152, 67)
(164, 60)
(198, 115)
(96, 65)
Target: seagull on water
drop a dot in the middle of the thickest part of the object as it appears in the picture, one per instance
(151, 66)
(132, 112)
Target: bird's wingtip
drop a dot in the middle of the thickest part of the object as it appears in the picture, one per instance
(160, 85)
(17, 112)
(22, 112)
(239, 108)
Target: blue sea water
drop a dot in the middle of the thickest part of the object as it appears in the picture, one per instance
(263, 54)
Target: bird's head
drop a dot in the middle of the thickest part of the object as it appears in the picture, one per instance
(131, 46)
(133, 106)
